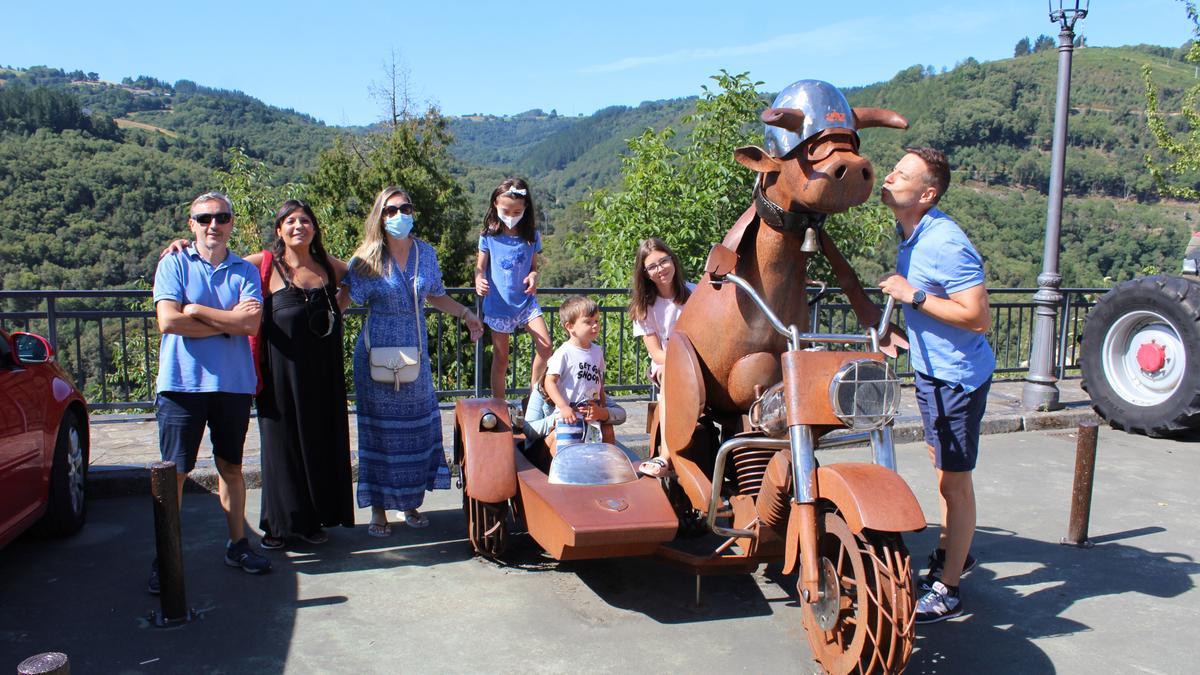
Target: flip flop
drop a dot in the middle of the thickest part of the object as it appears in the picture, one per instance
(655, 467)
(414, 519)
(379, 529)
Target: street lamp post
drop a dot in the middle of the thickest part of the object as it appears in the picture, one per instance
(1041, 388)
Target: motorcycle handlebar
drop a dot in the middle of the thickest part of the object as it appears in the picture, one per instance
(794, 336)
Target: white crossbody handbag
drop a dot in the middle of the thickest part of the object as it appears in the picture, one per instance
(397, 365)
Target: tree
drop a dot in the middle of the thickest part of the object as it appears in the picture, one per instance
(1022, 48)
(1043, 43)
(250, 184)
(1184, 153)
(394, 92)
(414, 154)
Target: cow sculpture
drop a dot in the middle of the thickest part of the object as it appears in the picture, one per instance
(723, 354)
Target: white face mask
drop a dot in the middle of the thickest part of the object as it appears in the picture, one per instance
(510, 221)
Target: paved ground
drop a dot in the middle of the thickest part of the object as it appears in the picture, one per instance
(123, 445)
(420, 603)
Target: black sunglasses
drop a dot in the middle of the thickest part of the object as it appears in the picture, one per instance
(391, 210)
(222, 218)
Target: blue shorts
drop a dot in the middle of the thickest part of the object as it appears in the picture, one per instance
(182, 417)
(952, 417)
(510, 324)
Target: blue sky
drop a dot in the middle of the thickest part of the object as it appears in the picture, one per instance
(322, 58)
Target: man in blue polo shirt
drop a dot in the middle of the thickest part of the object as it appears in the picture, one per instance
(939, 280)
(208, 301)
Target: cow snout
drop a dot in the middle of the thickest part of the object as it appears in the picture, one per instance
(842, 170)
(851, 184)
(850, 167)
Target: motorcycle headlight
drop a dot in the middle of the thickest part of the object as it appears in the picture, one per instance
(865, 394)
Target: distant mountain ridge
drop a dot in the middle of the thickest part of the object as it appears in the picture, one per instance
(994, 120)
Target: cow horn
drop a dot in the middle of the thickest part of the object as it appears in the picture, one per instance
(784, 118)
(865, 118)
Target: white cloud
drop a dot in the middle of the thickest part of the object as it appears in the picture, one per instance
(843, 39)
(823, 38)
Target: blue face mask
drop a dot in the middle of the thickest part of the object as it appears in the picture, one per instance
(399, 225)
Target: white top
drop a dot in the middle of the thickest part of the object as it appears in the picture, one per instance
(660, 318)
(579, 371)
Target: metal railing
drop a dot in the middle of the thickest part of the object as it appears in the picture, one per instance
(108, 340)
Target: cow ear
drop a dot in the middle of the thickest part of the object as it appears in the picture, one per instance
(866, 118)
(756, 159)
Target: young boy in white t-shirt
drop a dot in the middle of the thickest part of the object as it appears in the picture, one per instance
(575, 372)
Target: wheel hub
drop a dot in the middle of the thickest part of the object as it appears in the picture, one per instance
(1151, 356)
(825, 609)
(1143, 358)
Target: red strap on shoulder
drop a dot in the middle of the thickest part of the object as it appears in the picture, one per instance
(264, 271)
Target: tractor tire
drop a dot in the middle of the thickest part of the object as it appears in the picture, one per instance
(1141, 356)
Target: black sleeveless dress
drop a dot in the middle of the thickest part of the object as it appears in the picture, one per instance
(302, 420)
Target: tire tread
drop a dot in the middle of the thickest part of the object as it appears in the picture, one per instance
(1184, 416)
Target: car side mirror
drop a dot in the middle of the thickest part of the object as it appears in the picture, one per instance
(30, 348)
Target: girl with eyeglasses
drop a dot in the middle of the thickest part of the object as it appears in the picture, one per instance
(657, 298)
(506, 273)
(400, 451)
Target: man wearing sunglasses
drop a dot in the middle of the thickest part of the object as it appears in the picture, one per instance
(208, 301)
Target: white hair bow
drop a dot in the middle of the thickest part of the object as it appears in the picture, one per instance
(516, 191)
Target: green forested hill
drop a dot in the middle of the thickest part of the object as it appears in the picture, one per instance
(995, 121)
(94, 176)
(81, 212)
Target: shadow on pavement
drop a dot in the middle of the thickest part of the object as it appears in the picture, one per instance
(86, 596)
(650, 587)
(1007, 611)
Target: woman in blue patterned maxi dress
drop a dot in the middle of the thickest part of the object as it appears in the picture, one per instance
(400, 453)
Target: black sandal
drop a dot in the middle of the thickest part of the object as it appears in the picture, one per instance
(272, 543)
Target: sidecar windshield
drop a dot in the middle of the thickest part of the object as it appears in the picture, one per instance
(591, 464)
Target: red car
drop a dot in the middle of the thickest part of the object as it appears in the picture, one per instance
(43, 441)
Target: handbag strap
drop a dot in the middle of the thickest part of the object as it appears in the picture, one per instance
(416, 310)
(264, 271)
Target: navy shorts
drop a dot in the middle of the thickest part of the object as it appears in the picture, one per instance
(182, 417)
(952, 417)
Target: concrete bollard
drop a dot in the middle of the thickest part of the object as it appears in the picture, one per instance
(1081, 490)
(169, 547)
(49, 663)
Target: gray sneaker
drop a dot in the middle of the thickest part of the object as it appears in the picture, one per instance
(938, 604)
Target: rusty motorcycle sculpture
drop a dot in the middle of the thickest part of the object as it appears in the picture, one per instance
(748, 397)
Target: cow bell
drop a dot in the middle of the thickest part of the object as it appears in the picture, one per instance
(810, 241)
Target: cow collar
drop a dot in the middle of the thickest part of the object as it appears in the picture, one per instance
(788, 221)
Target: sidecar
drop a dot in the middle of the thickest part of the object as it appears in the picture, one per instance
(583, 501)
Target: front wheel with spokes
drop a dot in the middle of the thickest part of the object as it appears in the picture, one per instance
(864, 621)
(487, 523)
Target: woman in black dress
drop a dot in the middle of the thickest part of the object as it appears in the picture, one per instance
(306, 480)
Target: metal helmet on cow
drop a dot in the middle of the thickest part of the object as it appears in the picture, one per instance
(824, 107)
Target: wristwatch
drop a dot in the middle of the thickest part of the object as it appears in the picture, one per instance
(918, 298)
